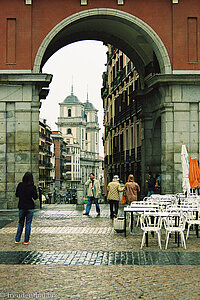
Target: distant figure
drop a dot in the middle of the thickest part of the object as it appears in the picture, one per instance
(158, 184)
(131, 189)
(151, 184)
(40, 195)
(113, 198)
(93, 193)
(26, 191)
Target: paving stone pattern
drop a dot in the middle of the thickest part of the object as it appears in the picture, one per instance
(72, 256)
(99, 258)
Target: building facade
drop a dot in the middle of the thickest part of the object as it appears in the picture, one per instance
(46, 166)
(78, 123)
(122, 118)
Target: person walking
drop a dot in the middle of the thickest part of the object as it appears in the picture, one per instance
(151, 184)
(131, 189)
(26, 191)
(114, 188)
(93, 193)
(158, 184)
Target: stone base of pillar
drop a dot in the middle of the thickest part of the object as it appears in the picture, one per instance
(79, 206)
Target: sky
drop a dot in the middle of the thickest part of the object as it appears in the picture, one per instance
(83, 63)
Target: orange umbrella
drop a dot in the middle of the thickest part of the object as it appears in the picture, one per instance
(194, 173)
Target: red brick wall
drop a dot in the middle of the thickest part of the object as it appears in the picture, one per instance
(34, 22)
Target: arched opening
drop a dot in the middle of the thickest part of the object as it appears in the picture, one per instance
(125, 32)
(69, 131)
(69, 112)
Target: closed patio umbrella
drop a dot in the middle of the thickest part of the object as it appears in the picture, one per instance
(185, 169)
(194, 173)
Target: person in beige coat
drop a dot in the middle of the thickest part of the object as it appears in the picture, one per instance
(114, 188)
(93, 193)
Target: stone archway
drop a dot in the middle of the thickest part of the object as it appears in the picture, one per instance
(173, 96)
(123, 30)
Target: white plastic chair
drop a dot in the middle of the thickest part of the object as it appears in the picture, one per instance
(171, 225)
(193, 218)
(149, 224)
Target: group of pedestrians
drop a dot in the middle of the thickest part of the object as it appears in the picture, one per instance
(114, 188)
(27, 192)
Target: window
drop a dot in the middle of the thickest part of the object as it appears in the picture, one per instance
(69, 112)
(138, 135)
(132, 137)
(68, 168)
(127, 141)
(68, 158)
(69, 131)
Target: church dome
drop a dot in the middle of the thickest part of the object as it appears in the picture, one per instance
(71, 98)
(89, 105)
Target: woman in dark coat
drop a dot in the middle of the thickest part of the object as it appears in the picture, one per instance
(26, 191)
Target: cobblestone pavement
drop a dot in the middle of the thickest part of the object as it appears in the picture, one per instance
(72, 256)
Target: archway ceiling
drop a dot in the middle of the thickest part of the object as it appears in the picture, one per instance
(113, 31)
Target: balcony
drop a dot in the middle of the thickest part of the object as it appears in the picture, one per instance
(45, 178)
(116, 157)
(127, 156)
(42, 135)
(48, 139)
(104, 92)
(132, 155)
(129, 67)
(122, 156)
(48, 165)
(139, 153)
(48, 152)
(68, 177)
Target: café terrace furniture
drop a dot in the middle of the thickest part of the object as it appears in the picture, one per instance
(150, 224)
(174, 225)
(172, 215)
(193, 217)
(137, 208)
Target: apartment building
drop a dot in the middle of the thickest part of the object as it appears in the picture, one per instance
(46, 168)
(122, 118)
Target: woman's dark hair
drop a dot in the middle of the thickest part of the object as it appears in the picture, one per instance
(150, 173)
(28, 178)
(92, 174)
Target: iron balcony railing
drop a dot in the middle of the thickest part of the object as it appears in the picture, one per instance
(132, 155)
(139, 154)
(127, 156)
(122, 156)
